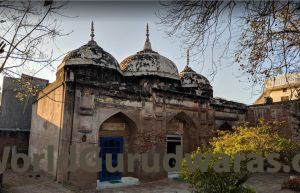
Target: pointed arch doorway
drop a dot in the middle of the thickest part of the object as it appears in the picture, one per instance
(115, 138)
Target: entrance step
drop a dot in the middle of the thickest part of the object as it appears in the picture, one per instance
(125, 181)
(173, 175)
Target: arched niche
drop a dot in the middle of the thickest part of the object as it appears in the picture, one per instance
(182, 125)
(117, 124)
(225, 127)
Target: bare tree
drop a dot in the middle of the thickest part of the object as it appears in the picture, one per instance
(269, 32)
(2, 46)
(25, 30)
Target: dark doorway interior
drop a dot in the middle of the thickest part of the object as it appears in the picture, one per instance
(225, 127)
(173, 141)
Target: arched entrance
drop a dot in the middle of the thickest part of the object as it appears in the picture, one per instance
(180, 130)
(225, 127)
(114, 138)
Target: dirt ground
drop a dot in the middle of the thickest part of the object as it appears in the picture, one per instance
(39, 183)
(268, 183)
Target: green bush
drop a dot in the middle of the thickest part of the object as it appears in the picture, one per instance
(260, 139)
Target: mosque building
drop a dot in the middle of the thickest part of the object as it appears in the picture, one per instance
(142, 105)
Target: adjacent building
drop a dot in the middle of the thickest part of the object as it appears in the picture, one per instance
(17, 97)
(279, 102)
(281, 88)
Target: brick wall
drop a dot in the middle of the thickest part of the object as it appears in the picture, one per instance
(288, 113)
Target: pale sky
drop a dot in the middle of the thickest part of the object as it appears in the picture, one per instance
(120, 30)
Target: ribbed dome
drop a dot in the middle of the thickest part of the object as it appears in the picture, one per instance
(91, 54)
(148, 62)
(192, 79)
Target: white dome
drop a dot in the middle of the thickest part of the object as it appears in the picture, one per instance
(149, 63)
(191, 79)
(196, 82)
(90, 54)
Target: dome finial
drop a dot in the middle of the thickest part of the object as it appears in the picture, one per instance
(147, 45)
(92, 31)
(188, 57)
(147, 31)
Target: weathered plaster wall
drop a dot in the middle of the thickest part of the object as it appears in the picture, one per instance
(148, 121)
(46, 125)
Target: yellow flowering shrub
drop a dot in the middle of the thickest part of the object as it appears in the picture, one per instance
(261, 139)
